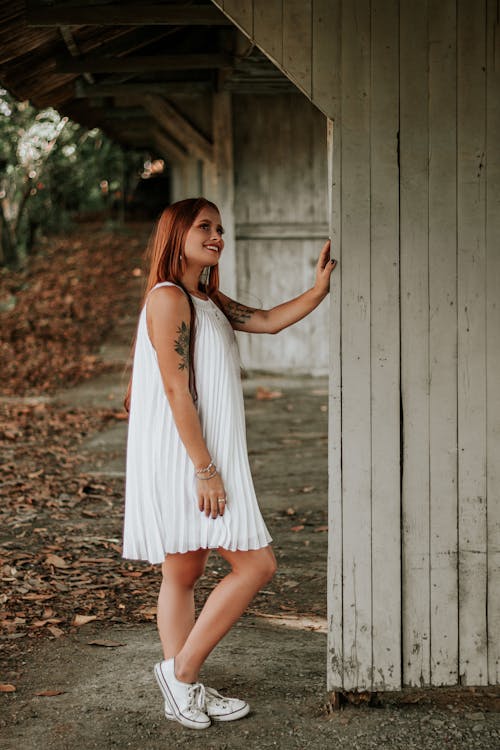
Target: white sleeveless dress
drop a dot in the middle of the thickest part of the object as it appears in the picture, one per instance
(161, 508)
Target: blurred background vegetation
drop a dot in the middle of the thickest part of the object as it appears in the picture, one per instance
(54, 172)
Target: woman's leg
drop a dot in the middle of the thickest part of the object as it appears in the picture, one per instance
(227, 602)
(175, 614)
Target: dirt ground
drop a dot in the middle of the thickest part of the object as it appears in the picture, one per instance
(91, 684)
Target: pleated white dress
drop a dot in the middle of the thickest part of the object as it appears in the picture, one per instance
(161, 508)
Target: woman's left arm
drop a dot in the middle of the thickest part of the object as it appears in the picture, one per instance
(253, 320)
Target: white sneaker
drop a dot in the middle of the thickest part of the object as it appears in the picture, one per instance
(186, 700)
(218, 707)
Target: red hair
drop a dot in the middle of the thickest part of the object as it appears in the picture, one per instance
(167, 264)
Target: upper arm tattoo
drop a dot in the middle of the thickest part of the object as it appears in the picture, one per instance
(181, 345)
(237, 313)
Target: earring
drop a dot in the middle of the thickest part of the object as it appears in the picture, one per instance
(205, 275)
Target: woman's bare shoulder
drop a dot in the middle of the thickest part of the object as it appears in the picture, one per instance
(168, 300)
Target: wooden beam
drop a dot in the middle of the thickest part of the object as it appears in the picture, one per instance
(168, 147)
(118, 113)
(222, 173)
(179, 88)
(143, 63)
(178, 127)
(125, 15)
(73, 49)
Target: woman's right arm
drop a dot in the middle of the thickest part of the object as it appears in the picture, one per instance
(169, 326)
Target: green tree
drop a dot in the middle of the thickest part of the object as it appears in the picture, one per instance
(50, 169)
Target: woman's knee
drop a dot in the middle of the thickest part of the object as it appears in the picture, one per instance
(264, 570)
(270, 567)
(258, 564)
(184, 569)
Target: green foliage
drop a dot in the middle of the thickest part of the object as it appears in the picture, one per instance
(51, 169)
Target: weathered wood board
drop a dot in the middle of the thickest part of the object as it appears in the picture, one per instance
(443, 346)
(471, 300)
(281, 223)
(493, 336)
(414, 507)
(385, 349)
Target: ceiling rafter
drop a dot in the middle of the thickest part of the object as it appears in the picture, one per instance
(168, 148)
(139, 88)
(143, 63)
(178, 127)
(125, 15)
(72, 47)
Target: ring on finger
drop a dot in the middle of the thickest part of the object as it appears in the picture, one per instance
(221, 499)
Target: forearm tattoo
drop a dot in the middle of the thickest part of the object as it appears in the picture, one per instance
(181, 345)
(237, 313)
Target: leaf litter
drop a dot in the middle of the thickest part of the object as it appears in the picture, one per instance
(61, 568)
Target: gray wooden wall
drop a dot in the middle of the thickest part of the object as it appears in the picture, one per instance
(281, 222)
(412, 93)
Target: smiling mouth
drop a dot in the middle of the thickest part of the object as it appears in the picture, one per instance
(213, 248)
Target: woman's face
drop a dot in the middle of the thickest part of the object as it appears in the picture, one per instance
(203, 245)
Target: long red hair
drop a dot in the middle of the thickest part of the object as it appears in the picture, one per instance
(166, 263)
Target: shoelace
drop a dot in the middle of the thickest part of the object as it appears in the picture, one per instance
(196, 696)
(220, 700)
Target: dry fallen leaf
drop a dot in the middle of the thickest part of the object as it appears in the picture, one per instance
(321, 528)
(83, 619)
(297, 528)
(7, 688)
(56, 632)
(49, 693)
(38, 597)
(105, 643)
(264, 394)
(56, 561)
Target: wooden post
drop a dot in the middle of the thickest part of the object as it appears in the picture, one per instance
(218, 185)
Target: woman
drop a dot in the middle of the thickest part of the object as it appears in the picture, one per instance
(188, 483)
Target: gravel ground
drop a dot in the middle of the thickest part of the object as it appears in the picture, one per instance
(104, 695)
(109, 699)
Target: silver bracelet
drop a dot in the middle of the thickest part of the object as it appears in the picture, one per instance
(209, 476)
(211, 465)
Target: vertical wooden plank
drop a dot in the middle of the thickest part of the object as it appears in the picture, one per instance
(276, 208)
(241, 13)
(414, 340)
(287, 135)
(335, 645)
(297, 43)
(471, 112)
(356, 302)
(323, 67)
(443, 343)
(386, 521)
(224, 184)
(268, 26)
(493, 337)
